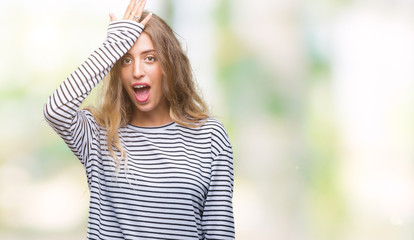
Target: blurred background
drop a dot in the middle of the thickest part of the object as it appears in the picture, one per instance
(317, 97)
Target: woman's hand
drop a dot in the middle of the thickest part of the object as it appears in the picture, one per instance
(134, 12)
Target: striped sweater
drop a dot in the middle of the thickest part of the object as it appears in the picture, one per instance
(178, 183)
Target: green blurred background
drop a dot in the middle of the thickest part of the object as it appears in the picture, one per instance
(317, 97)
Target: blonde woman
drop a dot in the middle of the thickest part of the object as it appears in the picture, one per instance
(158, 167)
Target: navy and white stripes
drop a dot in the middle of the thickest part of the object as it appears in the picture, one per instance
(178, 183)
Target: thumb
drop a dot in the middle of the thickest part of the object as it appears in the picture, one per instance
(112, 17)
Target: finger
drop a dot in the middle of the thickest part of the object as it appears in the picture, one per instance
(140, 7)
(137, 10)
(127, 14)
(112, 17)
(146, 19)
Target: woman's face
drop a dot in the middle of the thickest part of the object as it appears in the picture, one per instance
(142, 78)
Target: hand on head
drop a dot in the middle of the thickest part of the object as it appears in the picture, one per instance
(134, 12)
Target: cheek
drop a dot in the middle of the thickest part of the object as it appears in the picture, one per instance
(157, 77)
(160, 75)
(124, 86)
(122, 75)
(164, 90)
(123, 78)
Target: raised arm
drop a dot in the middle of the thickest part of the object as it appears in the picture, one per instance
(77, 128)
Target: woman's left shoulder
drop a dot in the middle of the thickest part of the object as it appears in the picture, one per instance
(219, 136)
(215, 126)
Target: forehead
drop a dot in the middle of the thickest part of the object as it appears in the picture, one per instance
(143, 44)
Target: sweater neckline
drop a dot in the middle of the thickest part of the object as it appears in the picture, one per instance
(152, 129)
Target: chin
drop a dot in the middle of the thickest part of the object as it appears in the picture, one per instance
(144, 108)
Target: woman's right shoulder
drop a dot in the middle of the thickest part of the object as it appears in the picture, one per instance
(90, 115)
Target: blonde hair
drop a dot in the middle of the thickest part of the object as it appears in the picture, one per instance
(187, 108)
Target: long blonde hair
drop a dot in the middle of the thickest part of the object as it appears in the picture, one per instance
(187, 108)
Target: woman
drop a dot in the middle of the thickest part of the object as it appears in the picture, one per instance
(157, 166)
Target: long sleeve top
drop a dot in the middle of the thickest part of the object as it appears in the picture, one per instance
(178, 182)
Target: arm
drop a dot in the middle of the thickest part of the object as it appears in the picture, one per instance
(217, 219)
(61, 109)
(77, 128)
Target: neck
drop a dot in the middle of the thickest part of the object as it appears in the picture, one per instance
(151, 119)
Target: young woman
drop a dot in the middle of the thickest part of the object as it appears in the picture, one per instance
(157, 166)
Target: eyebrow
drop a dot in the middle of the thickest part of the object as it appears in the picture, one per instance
(144, 52)
(148, 51)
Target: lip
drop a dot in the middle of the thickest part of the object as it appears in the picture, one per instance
(140, 84)
(140, 100)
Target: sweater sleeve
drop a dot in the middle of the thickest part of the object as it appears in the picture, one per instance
(78, 128)
(217, 220)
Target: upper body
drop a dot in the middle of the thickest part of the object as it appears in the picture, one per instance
(150, 177)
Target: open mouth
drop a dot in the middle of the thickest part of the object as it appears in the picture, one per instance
(142, 92)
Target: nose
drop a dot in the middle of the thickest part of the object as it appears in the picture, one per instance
(138, 69)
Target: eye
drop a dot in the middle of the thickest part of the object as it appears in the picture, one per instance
(126, 60)
(150, 59)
